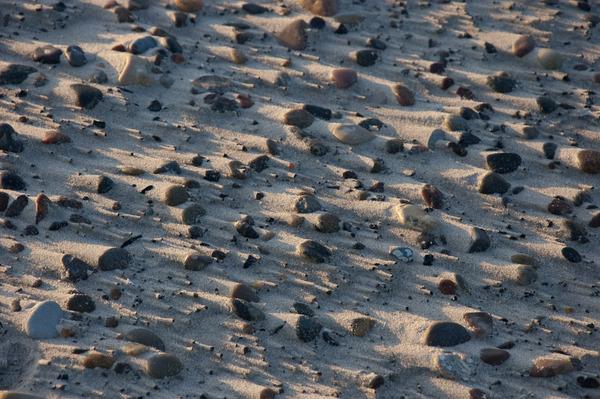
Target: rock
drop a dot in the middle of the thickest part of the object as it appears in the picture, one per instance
(413, 217)
(192, 214)
(343, 77)
(560, 206)
(573, 231)
(530, 132)
(314, 251)
(571, 254)
(12, 181)
(93, 183)
(447, 286)
(307, 204)
(546, 104)
(549, 150)
(114, 258)
(432, 196)
(376, 43)
(523, 46)
(394, 146)
(551, 366)
(365, 57)
(501, 83)
(237, 170)
(73, 269)
(452, 366)
(455, 123)
(525, 275)
(136, 71)
(589, 161)
(302, 308)
(352, 134)
(81, 303)
(189, 5)
(318, 111)
(141, 45)
(98, 360)
(298, 117)
(361, 326)
(86, 96)
(196, 262)
(4, 199)
(480, 241)
(99, 77)
(522, 259)
(294, 35)
(14, 74)
(43, 319)
(244, 292)
(325, 8)
(254, 9)
(404, 95)
(134, 5)
(46, 54)
(8, 141)
(145, 337)
(403, 254)
(327, 223)
(168, 166)
(480, 323)
(246, 310)
(445, 334)
(75, 56)
(307, 328)
(16, 207)
(175, 195)
(595, 221)
(550, 59)
(18, 395)
(245, 229)
(163, 365)
(493, 183)
(493, 356)
(55, 137)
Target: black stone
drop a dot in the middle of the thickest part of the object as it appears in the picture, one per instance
(307, 328)
(16, 207)
(46, 55)
(75, 56)
(445, 334)
(366, 57)
(549, 149)
(318, 112)
(12, 181)
(86, 96)
(480, 241)
(74, 269)
(546, 104)
(503, 162)
(254, 9)
(14, 74)
(571, 254)
(81, 303)
(501, 84)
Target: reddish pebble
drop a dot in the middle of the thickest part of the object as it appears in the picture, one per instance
(447, 287)
(343, 77)
(404, 95)
(54, 137)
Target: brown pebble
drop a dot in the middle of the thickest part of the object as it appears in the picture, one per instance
(523, 46)
(432, 196)
(343, 77)
(404, 95)
(447, 286)
(98, 360)
(42, 205)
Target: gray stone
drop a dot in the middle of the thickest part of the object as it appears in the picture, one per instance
(43, 320)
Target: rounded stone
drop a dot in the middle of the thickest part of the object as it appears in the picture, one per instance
(81, 303)
(244, 292)
(550, 59)
(145, 337)
(446, 334)
(327, 223)
(432, 196)
(523, 46)
(352, 134)
(299, 118)
(163, 365)
(75, 56)
(571, 254)
(43, 320)
(114, 258)
(589, 161)
(493, 356)
(98, 360)
(343, 77)
(192, 214)
(493, 183)
(404, 95)
(503, 162)
(313, 250)
(307, 204)
(196, 262)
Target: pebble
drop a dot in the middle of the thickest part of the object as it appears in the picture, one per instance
(493, 356)
(86, 96)
(371, 380)
(254, 9)
(503, 162)
(394, 146)
(12, 181)
(404, 95)
(81, 303)
(480, 240)
(8, 140)
(55, 137)
(523, 259)
(98, 76)
(351, 134)
(413, 217)
(244, 292)
(294, 35)
(403, 254)
(302, 308)
(196, 262)
(325, 8)
(573, 231)
(327, 223)
(595, 221)
(245, 229)
(175, 195)
(446, 334)
(493, 183)
(530, 132)
(73, 269)
(523, 46)
(114, 258)
(307, 204)
(299, 118)
(455, 123)
(343, 78)
(16, 207)
(141, 45)
(98, 360)
(14, 74)
(589, 161)
(447, 286)
(549, 150)
(162, 365)
(318, 111)
(452, 366)
(560, 206)
(75, 56)
(145, 337)
(480, 323)
(546, 104)
(245, 310)
(571, 254)
(313, 251)
(307, 328)
(192, 214)
(366, 57)
(361, 326)
(43, 319)
(189, 5)
(551, 366)
(432, 196)
(525, 275)
(501, 83)
(46, 54)
(550, 59)
(136, 71)
(18, 395)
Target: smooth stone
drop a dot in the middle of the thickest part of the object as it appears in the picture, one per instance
(46, 55)
(523, 46)
(530, 132)
(163, 365)
(376, 43)
(81, 303)
(361, 326)
(551, 366)
(327, 223)
(98, 360)
(245, 229)
(141, 45)
(299, 118)
(526, 275)
(343, 77)
(550, 59)
(254, 9)
(136, 71)
(73, 269)
(501, 83)
(12, 181)
(307, 328)
(493, 183)
(404, 95)
(523, 259)
(14, 74)
(86, 96)
(493, 356)
(415, 218)
(55, 137)
(114, 258)
(307, 204)
(503, 162)
(549, 150)
(43, 320)
(560, 206)
(175, 195)
(432, 196)
(480, 323)
(455, 123)
(245, 310)
(145, 337)
(446, 334)
(244, 292)
(8, 142)
(294, 35)
(313, 251)
(325, 8)
(302, 308)
(366, 57)
(318, 111)
(452, 366)
(589, 161)
(480, 240)
(192, 214)
(17, 206)
(571, 254)
(546, 104)
(196, 262)
(75, 56)
(595, 221)
(189, 5)
(352, 134)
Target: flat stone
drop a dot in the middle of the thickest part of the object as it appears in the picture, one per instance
(493, 356)
(523, 46)
(245, 310)
(294, 35)
(145, 337)
(162, 365)
(14, 74)
(46, 54)
(43, 319)
(493, 183)
(352, 134)
(446, 334)
(453, 366)
(314, 251)
(196, 262)
(404, 95)
(343, 78)
(318, 111)
(244, 292)
(480, 323)
(480, 241)
(589, 161)
(307, 328)
(551, 366)
(75, 56)
(114, 258)
(415, 218)
(307, 204)
(327, 223)
(298, 117)
(86, 96)
(361, 326)
(325, 8)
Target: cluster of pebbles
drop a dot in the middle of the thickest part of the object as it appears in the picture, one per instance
(311, 198)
